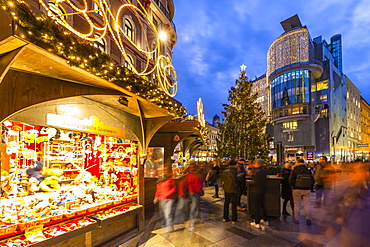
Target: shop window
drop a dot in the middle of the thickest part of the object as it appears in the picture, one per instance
(86, 172)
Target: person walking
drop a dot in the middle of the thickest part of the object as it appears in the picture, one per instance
(228, 179)
(258, 193)
(301, 181)
(165, 195)
(240, 184)
(213, 178)
(182, 199)
(286, 190)
(195, 187)
(323, 175)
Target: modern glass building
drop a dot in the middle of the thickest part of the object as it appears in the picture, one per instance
(307, 94)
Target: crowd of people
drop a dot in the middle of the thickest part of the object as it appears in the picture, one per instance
(344, 190)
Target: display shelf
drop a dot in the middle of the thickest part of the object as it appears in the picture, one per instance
(109, 220)
(63, 237)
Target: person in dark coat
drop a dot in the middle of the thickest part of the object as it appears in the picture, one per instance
(258, 191)
(301, 191)
(286, 190)
(228, 179)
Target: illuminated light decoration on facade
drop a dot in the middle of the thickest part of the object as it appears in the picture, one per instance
(164, 68)
(289, 48)
(200, 110)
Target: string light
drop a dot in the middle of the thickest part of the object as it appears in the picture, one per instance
(68, 46)
(163, 65)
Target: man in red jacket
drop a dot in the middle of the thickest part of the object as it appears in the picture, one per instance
(166, 194)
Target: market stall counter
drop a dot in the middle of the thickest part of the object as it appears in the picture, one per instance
(272, 198)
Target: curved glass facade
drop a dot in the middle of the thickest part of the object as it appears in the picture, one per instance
(290, 88)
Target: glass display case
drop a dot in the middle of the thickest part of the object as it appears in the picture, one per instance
(57, 181)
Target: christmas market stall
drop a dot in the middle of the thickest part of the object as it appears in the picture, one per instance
(75, 128)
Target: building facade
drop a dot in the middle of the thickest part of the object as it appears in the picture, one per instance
(353, 120)
(364, 146)
(308, 94)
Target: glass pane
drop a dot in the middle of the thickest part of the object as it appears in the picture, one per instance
(154, 162)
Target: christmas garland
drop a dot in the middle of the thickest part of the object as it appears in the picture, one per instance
(44, 32)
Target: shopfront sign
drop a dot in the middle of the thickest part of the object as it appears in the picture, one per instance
(362, 145)
(92, 124)
(309, 155)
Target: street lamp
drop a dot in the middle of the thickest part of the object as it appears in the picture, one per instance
(162, 35)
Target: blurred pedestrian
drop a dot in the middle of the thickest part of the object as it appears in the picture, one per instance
(228, 179)
(182, 199)
(240, 184)
(324, 175)
(301, 181)
(258, 193)
(165, 195)
(195, 187)
(351, 205)
(286, 190)
(213, 177)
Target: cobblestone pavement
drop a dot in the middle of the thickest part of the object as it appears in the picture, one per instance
(211, 231)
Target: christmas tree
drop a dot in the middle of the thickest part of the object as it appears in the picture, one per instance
(242, 133)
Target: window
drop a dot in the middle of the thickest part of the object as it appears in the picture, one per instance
(290, 136)
(129, 63)
(324, 98)
(321, 85)
(154, 49)
(324, 113)
(57, 10)
(100, 43)
(129, 31)
(95, 6)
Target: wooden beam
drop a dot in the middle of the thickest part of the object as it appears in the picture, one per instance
(6, 61)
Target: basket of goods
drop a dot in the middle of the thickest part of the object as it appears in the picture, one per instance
(6, 228)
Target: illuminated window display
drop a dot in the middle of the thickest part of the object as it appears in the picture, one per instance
(51, 175)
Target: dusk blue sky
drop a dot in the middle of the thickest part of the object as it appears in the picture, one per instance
(215, 37)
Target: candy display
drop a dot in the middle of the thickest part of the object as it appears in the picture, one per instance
(40, 233)
(50, 176)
